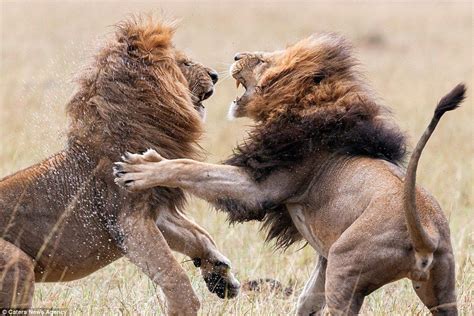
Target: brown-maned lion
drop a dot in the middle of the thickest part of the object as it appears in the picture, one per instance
(65, 218)
(323, 164)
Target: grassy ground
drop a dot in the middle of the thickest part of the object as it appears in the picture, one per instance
(412, 53)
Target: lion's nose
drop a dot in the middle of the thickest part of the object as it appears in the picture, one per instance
(239, 56)
(214, 76)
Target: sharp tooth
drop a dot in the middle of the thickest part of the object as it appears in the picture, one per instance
(237, 83)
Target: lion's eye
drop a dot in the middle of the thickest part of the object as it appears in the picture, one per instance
(187, 63)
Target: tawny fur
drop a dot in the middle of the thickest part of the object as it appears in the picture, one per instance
(322, 163)
(65, 216)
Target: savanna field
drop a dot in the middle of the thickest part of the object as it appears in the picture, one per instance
(411, 53)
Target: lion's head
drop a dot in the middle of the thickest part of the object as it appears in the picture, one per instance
(315, 72)
(141, 92)
(148, 40)
(201, 80)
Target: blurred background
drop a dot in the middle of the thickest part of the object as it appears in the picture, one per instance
(411, 52)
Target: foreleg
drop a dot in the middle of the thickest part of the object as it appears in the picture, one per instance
(312, 299)
(185, 236)
(145, 246)
(228, 187)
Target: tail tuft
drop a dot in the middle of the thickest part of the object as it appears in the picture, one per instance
(451, 100)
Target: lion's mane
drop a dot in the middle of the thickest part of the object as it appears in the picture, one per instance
(133, 97)
(313, 102)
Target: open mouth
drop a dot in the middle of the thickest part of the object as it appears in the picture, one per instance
(207, 95)
(245, 77)
(198, 100)
(247, 94)
(238, 82)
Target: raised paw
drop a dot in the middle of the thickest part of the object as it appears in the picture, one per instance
(126, 177)
(133, 172)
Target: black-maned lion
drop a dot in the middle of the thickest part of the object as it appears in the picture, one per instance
(65, 218)
(323, 163)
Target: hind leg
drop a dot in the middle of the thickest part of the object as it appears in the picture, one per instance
(438, 293)
(17, 278)
(359, 265)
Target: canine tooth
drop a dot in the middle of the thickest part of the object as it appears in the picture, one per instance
(237, 83)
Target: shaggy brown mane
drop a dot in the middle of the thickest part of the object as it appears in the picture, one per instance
(134, 97)
(354, 131)
(310, 102)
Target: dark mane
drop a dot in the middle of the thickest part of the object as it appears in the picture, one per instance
(357, 130)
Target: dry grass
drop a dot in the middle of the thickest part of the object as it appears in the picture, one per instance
(412, 53)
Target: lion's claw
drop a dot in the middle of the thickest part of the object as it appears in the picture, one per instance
(129, 173)
(118, 170)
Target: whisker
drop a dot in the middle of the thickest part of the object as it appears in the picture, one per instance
(223, 73)
(193, 89)
(224, 78)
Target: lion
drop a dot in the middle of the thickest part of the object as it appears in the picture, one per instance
(323, 163)
(65, 218)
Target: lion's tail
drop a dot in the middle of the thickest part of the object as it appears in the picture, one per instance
(420, 238)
